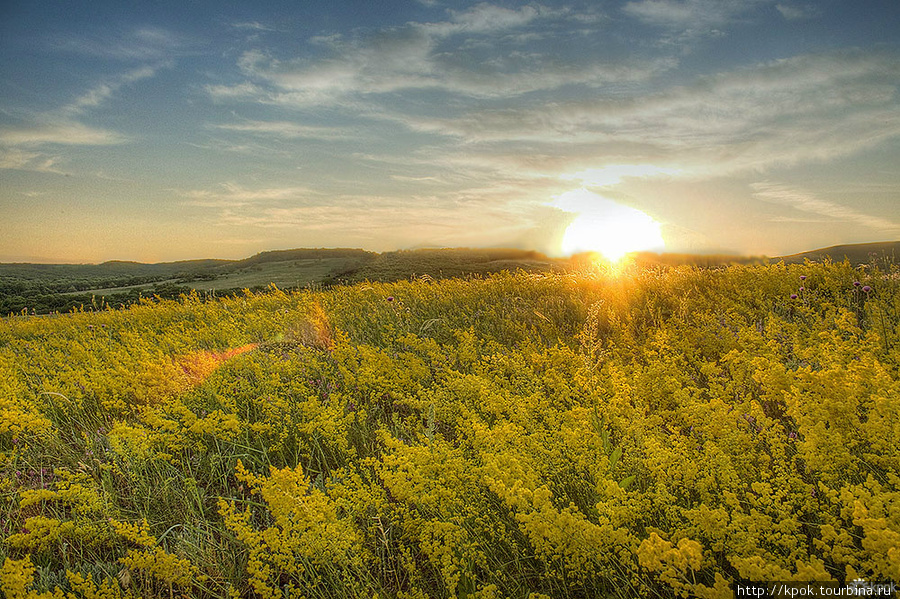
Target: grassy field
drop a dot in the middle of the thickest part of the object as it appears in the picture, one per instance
(104, 291)
(48, 288)
(285, 275)
(649, 432)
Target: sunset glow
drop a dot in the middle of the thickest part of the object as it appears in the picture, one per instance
(218, 130)
(606, 227)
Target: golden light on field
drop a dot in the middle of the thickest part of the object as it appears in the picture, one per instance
(606, 227)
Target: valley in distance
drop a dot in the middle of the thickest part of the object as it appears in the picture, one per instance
(575, 429)
(28, 288)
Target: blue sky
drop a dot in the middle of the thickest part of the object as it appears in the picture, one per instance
(176, 130)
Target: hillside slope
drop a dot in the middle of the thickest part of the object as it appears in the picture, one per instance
(660, 433)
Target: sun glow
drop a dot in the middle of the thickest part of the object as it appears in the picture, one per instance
(606, 227)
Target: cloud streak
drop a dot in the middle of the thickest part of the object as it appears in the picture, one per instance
(793, 12)
(232, 195)
(804, 201)
(808, 108)
(23, 160)
(58, 132)
(63, 126)
(685, 14)
(687, 21)
(138, 44)
(457, 56)
(99, 94)
(286, 130)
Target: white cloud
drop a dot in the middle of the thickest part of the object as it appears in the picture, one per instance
(252, 26)
(804, 201)
(395, 61)
(429, 180)
(138, 44)
(285, 129)
(232, 195)
(456, 56)
(613, 174)
(60, 132)
(793, 12)
(687, 21)
(17, 159)
(240, 91)
(690, 14)
(102, 92)
(485, 18)
(63, 127)
(806, 108)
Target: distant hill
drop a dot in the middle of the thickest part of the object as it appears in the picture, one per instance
(448, 263)
(112, 269)
(42, 288)
(699, 260)
(304, 254)
(857, 253)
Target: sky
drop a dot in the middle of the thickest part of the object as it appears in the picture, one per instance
(172, 130)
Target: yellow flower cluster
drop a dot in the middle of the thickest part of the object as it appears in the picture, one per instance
(308, 542)
(79, 511)
(656, 433)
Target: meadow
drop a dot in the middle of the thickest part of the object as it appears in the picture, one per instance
(643, 432)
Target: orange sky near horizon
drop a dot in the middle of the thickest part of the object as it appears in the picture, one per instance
(176, 131)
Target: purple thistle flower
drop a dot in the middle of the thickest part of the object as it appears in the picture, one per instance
(793, 296)
(866, 289)
(390, 298)
(856, 283)
(802, 289)
(802, 277)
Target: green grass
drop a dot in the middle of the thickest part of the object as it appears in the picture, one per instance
(290, 274)
(653, 433)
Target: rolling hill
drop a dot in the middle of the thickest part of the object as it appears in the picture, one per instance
(44, 288)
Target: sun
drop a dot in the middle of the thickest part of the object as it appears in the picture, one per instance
(606, 227)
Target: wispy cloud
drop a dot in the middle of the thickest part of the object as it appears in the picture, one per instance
(63, 126)
(798, 12)
(407, 179)
(691, 17)
(286, 129)
(804, 201)
(684, 26)
(445, 213)
(485, 18)
(137, 44)
(233, 195)
(102, 92)
(240, 91)
(291, 207)
(457, 56)
(252, 26)
(18, 159)
(61, 132)
(614, 174)
(806, 108)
